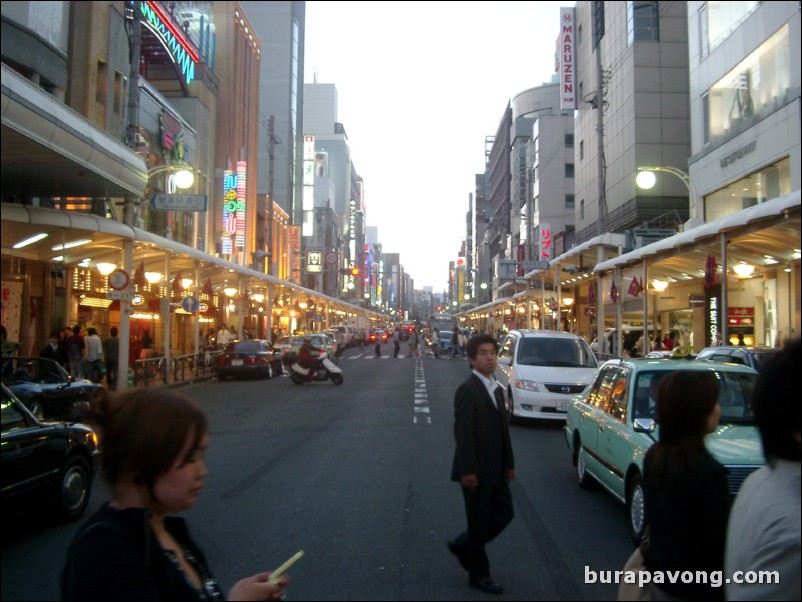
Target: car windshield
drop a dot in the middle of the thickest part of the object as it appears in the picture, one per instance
(570, 353)
(735, 391)
(243, 347)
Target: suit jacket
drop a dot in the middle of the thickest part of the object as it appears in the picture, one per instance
(482, 435)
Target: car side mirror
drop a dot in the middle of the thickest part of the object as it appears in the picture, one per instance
(644, 425)
(506, 361)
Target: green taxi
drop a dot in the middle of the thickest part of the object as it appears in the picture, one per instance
(610, 426)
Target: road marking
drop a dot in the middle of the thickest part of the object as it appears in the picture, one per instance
(421, 413)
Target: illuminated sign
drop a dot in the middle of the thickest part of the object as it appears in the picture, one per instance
(567, 61)
(179, 48)
(352, 219)
(242, 180)
(314, 260)
(230, 206)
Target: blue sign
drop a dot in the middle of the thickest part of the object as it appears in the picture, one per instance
(179, 202)
(190, 304)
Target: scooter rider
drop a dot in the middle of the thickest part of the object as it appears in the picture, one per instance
(308, 354)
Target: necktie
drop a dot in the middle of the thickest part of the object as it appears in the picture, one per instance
(499, 395)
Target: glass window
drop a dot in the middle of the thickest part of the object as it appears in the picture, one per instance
(507, 348)
(569, 170)
(724, 17)
(569, 141)
(643, 22)
(617, 407)
(602, 389)
(569, 201)
(734, 394)
(757, 86)
(768, 183)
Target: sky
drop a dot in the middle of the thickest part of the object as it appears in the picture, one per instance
(420, 86)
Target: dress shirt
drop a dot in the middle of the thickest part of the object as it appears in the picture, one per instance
(491, 385)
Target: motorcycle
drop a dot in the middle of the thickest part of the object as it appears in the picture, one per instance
(323, 370)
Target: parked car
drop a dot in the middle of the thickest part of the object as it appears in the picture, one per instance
(318, 340)
(44, 463)
(611, 425)
(542, 370)
(251, 357)
(47, 389)
(748, 356)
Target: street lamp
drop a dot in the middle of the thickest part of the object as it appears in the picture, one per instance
(646, 180)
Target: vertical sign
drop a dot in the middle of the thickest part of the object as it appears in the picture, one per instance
(712, 313)
(242, 179)
(229, 210)
(308, 193)
(566, 58)
(545, 242)
(294, 234)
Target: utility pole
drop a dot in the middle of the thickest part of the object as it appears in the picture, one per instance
(598, 102)
(271, 143)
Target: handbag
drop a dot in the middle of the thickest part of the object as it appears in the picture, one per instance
(633, 566)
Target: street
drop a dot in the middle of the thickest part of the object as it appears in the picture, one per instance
(357, 476)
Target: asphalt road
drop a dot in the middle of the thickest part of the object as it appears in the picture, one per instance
(357, 476)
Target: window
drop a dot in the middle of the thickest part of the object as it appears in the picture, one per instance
(118, 92)
(757, 86)
(569, 201)
(569, 170)
(643, 22)
(581, 150)
(618, 398)
(724, 17)
(582, 209)
(102, 82)
(569, 141)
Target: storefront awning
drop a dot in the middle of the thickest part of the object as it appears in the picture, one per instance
(764, 235)
(49, 150)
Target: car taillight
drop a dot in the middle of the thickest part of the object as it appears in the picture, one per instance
(254, 360)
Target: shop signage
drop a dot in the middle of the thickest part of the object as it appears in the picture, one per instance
(173, 40)
(712, 313)
(696, 301)
(179, 202)
(565, 54)
(535, 265)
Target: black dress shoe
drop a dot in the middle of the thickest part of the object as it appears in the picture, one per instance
(461, 555)
(487, 585)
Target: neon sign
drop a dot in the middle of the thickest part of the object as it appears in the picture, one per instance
(230, 206)
(181, 51)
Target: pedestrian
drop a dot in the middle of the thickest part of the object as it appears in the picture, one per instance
(685, 489)
(455, 344)
(741, 342)
(717, 341)
(63, 351)
(411, 345)
(50, 351)
(223, 336)
(94, 353)
(764, 529)
(483, 462)
(111, 353)
(76, 351)
(396, 346)
(146, 351)
(133, 547)
(463, 344)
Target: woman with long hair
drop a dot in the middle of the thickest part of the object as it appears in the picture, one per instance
(685, 488)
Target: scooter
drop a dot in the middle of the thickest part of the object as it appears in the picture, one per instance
(325, 369)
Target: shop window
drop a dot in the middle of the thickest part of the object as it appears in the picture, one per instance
(763, 185)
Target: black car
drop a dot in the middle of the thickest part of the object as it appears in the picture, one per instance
(44, 463)
(47, 389)
(734, 354)
(252, 357)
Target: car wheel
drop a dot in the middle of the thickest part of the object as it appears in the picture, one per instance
(36, 408)
(636, 508)
(511, 409)
(583, 477)
(75, 486)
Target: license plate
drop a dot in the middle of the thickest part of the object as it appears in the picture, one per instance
(236, 362)
(561, 406)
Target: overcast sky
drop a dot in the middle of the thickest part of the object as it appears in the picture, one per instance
(420, 85)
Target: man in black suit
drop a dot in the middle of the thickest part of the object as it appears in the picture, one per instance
(483, 462)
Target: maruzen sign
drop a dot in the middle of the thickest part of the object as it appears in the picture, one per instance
(565, 58)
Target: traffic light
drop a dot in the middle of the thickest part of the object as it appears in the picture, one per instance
(354, 271)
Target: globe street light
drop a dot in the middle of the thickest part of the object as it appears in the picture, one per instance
(646, 180)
